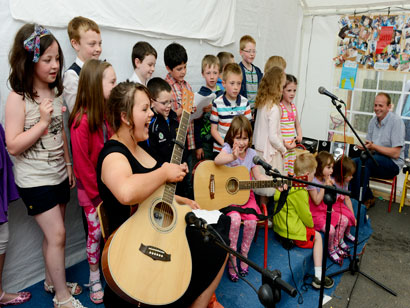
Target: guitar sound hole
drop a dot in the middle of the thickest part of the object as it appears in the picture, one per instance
(232, 186)
(163, 215)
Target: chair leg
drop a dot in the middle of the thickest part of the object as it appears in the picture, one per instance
(395, 189)
(404, 192)
(391, 198)
(265, 248)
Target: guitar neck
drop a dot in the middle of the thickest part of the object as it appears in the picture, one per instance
(263, 184)
(177, 153)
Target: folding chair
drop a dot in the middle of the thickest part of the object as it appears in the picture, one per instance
(102, 217)
(264, 224)
(393, 183)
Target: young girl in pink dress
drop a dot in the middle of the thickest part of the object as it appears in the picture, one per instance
(343, 172)
(318, 208)
(289, 123)
(237, 152)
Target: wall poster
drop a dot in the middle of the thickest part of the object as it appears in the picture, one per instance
(380, 42)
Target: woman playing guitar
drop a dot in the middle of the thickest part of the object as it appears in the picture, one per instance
(126, 176)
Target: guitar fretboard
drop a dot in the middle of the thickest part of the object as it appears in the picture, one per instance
(177, 152)
(263, 184)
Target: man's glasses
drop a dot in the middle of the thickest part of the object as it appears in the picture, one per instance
(166, 103)
(250, 51)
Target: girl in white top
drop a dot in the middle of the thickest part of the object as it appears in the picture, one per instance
(267, 137)
(35, 137)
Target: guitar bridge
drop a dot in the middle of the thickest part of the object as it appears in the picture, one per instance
(155, 253)
(211, 186)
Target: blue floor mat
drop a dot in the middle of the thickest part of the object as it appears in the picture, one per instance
(238, 294)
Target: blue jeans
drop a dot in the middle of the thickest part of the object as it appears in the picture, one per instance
(387, 169)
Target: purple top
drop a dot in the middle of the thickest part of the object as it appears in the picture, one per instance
(311, 187)
(8, 189)
(247, 161)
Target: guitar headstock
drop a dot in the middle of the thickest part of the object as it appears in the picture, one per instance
(303, 178)
(187, 100)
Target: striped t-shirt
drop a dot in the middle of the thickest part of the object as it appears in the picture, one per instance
(251, 87)
(223, 112)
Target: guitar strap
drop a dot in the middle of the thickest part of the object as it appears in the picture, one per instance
(281, 203)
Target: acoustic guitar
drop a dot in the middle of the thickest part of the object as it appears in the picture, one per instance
(148, 260)
(216, 187)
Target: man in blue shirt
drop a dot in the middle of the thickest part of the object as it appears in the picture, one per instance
(385, 139)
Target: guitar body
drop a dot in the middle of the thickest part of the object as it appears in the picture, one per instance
(225, 191)
(148, 259)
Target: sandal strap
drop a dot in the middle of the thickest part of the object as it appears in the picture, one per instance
(75, 302)
(55, 301)
(92, 283)
(49, 288)
(2, 295)
(72, 286)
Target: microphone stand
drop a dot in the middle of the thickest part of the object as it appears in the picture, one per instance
(269, 292)
(329, 199)
(354, 262)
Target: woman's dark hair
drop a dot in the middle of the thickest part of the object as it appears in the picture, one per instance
(121, 101)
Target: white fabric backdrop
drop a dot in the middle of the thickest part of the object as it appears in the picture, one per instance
(275, 25)
(316, 69)
(211, 20)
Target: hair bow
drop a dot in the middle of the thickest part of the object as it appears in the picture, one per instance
(32, 43)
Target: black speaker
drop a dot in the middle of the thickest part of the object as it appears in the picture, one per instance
(324, 145)
(354, 151)
(338, 148)
(310, 144)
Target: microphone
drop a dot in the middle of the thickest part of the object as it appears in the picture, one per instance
(259, 161)
(192, 219)
(323, 91)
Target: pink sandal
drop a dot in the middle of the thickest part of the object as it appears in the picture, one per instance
(20, 299)
(232, 276)
(343, 254)
(96, 296)
(344, 246)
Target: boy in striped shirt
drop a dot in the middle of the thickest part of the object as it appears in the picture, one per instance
(229, 105)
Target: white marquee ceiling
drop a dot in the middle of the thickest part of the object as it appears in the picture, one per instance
(328, 6)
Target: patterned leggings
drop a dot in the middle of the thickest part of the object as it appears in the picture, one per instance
(247, 236)
(337, 233)
(94, 234)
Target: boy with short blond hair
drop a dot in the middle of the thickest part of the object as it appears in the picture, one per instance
(294, 223)
(202, 126)
(251, 74)
(229, 105)
(144, 58)
(224, 57)
(85, 38)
